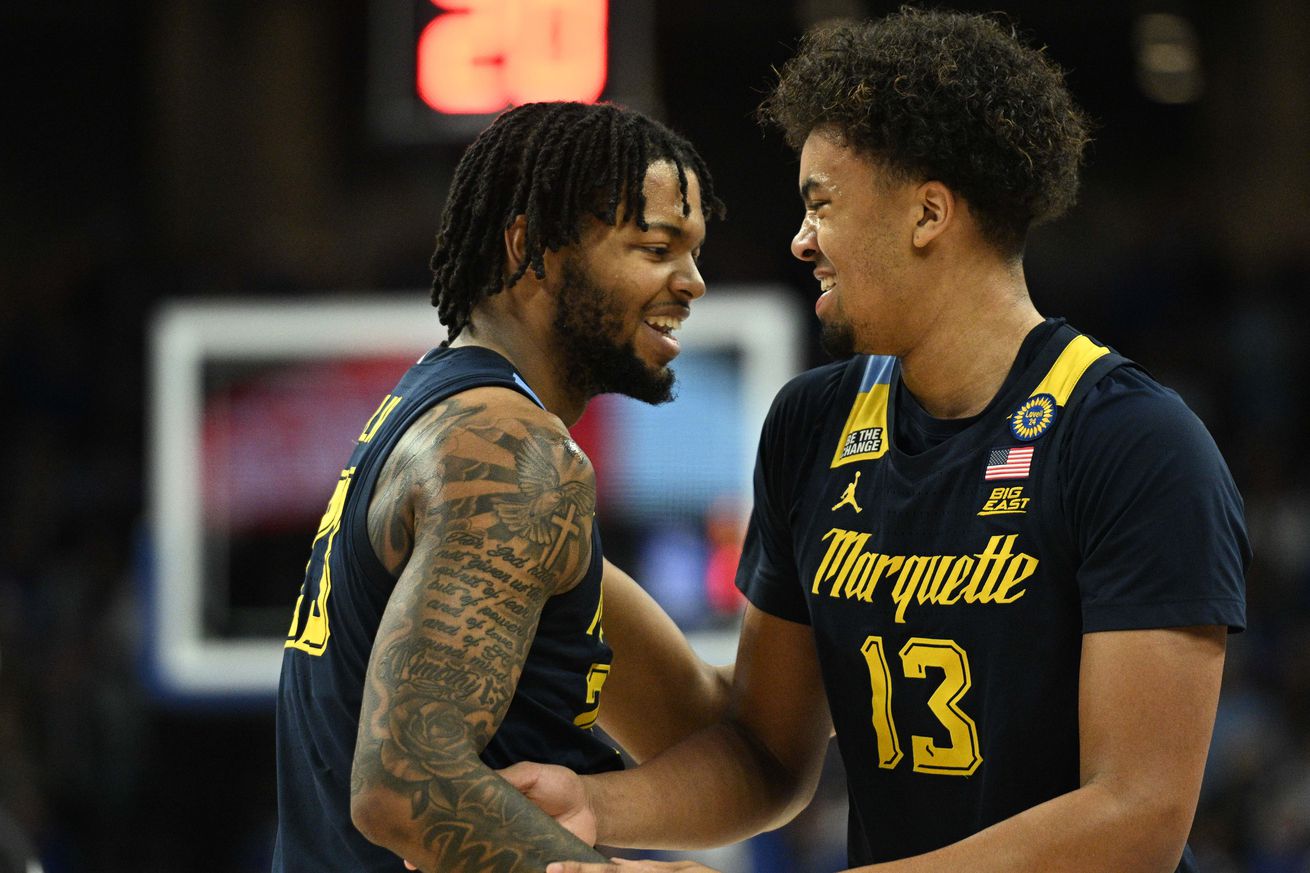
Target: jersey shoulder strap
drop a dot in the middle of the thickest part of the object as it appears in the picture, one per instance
(1080, 365)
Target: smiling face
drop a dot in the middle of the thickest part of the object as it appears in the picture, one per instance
(858, 233)
(625, 291)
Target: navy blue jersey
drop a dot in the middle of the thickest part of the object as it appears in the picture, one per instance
(345, 591)
(950, 569)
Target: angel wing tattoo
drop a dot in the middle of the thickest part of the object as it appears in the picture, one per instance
(546, 511)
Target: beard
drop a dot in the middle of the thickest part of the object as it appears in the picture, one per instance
(587, 321)
(837, 338)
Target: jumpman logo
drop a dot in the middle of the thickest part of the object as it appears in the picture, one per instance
(848, 496)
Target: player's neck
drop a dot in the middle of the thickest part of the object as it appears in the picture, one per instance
(533, 356)
(960, 363)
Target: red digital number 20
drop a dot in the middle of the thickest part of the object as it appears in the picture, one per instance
(479, 56)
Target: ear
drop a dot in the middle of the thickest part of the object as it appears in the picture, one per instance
(936, 206)
(516, 245)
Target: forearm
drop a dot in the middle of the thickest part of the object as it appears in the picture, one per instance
(669, 708)
(659, 690)
(1094, 829)
(717, 787)
(467, 818)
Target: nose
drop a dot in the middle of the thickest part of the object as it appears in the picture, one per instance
(805, 244)
(688, 283)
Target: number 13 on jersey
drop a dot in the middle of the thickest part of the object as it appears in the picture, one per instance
(961, 757)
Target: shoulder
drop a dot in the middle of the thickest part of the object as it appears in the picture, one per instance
(1129, 411)
(503, 428)
(487, 413)
(1153, 511)
(480, 458)
(799, 415)
(1135, 447)
(807, 395)
(496, 468)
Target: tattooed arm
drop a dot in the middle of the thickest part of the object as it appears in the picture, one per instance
(477, 504)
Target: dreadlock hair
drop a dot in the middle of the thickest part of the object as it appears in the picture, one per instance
(948, 96)
(554, 164)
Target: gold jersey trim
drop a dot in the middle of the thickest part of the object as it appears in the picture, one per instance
(864, 437)
(1061, 380)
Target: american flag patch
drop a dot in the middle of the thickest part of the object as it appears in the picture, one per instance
(1011, 463)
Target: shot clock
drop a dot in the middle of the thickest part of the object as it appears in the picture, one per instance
(480, 56)
(441, 69)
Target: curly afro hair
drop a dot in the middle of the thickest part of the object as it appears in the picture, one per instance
(947, 96)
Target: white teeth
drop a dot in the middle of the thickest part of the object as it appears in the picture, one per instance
(826, 285)
(664, 322)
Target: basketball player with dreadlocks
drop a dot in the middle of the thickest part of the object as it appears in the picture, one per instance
(997, 556)
(457, 614)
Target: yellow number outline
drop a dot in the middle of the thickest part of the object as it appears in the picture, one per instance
(962, 756)
(596, 677)
(312, 637)
(884, 724)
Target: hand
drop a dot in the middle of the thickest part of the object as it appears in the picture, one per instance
(622, 865)
(559, 792)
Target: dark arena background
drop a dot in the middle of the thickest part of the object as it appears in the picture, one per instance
(169, 165)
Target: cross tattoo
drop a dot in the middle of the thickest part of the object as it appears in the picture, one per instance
(566, 528)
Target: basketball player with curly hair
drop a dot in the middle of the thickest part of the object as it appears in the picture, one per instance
(996, 556)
